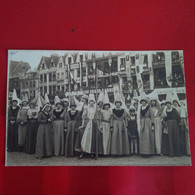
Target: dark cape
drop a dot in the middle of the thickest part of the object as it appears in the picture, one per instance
(44, 142)
(173, 121)
(31, 136)
(72, 123)
(12, 139)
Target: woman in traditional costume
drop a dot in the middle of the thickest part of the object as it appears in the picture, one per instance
(119, 136)
(173, 122)
(72, 123)
(146, 138)
(12, 139)
(182, 133)
(100, 103)
(31, 130)
(165, 138)
(106, 122)
(22, 123)
(155, 111)
(83, 121)
(44, 143)
(58, 127)
(184, 127)
(91, 130)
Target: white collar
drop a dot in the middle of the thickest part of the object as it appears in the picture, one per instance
(169, 110)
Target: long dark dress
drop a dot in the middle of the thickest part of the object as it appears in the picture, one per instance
(173, 120)
(44, 143)
(31, 135)
(22, 125)
(58, 130)
(119, 136)
(72, 124)
(146, 139)
(100, 135)
(12, 139)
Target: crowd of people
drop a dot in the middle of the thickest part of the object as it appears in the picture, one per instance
(82, 127)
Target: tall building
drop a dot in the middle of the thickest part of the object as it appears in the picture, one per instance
(76, 71)
(16, 70)
(29, 84)
(47, 74)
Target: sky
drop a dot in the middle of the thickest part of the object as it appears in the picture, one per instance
(33, 57)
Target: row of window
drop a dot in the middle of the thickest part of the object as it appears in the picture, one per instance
(105, 82)
(27, 84)
(70, 61)
(52, 89)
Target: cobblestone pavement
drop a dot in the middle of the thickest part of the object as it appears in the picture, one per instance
(22, 159)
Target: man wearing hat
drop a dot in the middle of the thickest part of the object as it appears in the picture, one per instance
(133, 131)
(72, 123)
(12, 139)
(22, 123)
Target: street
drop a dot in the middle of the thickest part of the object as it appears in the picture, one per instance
(22, 159)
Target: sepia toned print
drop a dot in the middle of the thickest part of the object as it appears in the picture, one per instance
(96, 108)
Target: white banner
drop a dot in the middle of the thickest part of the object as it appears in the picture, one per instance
(138, 74)
(151, 71)
(181, 60)
(168, 67)
(168, 90)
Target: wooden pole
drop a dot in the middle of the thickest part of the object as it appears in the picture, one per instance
(97, 130)
(69, 80)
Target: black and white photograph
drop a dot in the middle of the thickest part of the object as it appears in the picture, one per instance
(96, 108)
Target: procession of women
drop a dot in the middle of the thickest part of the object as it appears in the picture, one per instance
(89, 125)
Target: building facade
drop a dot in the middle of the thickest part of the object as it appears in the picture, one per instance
(76, 71)
(29, 84)
(17, 69)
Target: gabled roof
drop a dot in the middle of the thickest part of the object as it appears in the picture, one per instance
(55, 59)
(74, 56)
(18, 68)
(47, 61)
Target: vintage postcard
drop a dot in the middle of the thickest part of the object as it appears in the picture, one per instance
(96, 108)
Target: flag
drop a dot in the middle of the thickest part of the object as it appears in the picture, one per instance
(46, 98)
(99, 73)
(168, 67)
(141, 62)
(71, 78)
(81, 77)
(39, 103)
(181, 60)
(138, 72)
(151, 76)
(128, 69)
